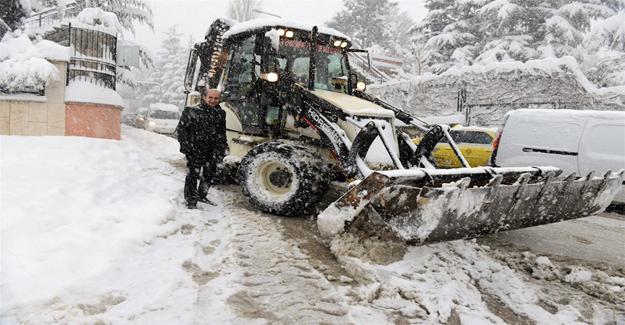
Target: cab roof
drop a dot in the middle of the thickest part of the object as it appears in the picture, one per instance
(266, 24)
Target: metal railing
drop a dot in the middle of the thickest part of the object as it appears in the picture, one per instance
(93, 58)
(361, 63)
(479, 113)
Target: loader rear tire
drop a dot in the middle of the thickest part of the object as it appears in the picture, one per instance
(283, 178)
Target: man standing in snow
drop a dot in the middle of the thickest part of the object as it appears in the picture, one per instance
(202, 137)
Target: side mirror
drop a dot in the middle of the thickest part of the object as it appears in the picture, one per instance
(355, 84)
(193, 98)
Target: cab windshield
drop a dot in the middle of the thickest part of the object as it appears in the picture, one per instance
(331, 68)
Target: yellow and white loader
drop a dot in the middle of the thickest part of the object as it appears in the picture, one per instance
(298, 119)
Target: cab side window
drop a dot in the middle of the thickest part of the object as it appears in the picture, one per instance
(240, 82)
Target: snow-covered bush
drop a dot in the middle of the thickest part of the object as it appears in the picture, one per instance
(24, 66)
(495, 88)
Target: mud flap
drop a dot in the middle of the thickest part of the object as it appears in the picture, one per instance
(421, 206)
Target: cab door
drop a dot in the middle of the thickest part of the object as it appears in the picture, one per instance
(240, 86)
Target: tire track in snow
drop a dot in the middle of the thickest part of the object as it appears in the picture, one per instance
(278, 282)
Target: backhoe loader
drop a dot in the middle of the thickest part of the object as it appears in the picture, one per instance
(297, 119)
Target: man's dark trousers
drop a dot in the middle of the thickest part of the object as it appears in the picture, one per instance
(202, 171)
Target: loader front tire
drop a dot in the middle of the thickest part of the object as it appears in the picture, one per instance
(283, 178)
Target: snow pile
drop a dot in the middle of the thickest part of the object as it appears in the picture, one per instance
(100, 18)
(436, 283)
(103, 238)
(24, 66)
(578, 275)
(104, 197)
(86, 92)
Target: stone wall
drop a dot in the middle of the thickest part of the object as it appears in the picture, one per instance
(26, 114)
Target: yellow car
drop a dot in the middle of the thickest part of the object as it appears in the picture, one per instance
(474, 142)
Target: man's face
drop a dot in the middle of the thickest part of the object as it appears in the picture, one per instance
(212, 98)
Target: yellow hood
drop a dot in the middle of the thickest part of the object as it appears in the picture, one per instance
(353, 105)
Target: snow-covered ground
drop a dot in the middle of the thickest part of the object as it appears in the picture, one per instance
(95, 231)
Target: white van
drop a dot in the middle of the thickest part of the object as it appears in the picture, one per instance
(572, 140)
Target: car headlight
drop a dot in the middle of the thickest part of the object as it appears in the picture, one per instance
(152, 123)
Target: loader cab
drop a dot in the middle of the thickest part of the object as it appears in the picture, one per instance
(263, 64)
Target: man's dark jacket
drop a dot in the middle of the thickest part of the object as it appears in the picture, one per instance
(202, 132)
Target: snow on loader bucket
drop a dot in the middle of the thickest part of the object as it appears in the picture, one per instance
(423, 206)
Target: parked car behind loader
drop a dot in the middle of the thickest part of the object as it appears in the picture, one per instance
(160, 118)
(298, 118)
(475, 144)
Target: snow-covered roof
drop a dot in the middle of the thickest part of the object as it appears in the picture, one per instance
(260, 23)
(475, 128)
(572, 115)
(164, 107)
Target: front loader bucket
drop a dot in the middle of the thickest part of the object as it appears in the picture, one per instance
(425, 206)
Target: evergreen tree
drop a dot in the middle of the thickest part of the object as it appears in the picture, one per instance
(457, 33)
(448, 33)
(366, 21)
(127, 11)
(165, 82)
(399, 25)
(243, 10)
(11, 14)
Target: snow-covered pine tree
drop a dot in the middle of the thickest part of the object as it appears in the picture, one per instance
(567, 25)
(243, 10)
(605, 46)
(165, 83)
(366, 21)
(127, 11)
(457, 33)
(447, 33)
(11, 14)
(399, 23)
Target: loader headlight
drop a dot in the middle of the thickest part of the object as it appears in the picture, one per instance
(344, 44)
(271, 76)
(361, 86)
(337, 42)
(281, 32)
(289, 33)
